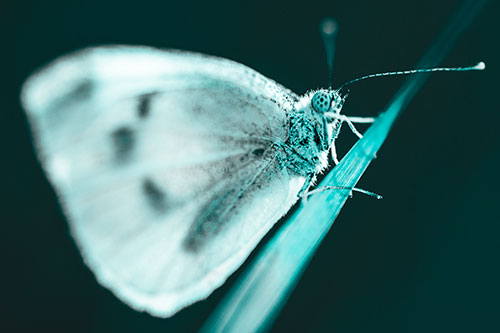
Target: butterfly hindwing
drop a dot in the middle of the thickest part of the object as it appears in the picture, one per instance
(165, 165)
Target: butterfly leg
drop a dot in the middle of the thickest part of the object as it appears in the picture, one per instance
(303, 193)
(334, 153)
(361, 120)
(351, 120)
(351, 189)
(351, 126)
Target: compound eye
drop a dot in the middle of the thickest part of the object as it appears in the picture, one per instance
(321, 101)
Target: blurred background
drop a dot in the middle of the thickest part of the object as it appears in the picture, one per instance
(425, 258)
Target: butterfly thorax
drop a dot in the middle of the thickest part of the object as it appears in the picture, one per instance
(306, 148)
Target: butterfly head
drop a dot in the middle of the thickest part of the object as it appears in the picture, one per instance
(324, 101)
(322, 107)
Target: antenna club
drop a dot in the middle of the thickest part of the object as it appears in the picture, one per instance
(480, 66)
(329, 26)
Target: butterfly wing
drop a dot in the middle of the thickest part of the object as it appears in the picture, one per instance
(165, 165)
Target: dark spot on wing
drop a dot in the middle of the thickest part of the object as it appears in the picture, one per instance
(210, 220)
(144, 105)
(221, 209)
(155, 195)
(123, 142)
(82, 90)
(79, 92)
(197, 109)
(258, 152)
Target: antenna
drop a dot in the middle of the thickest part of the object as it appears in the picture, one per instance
(478, 67)
(328, 28)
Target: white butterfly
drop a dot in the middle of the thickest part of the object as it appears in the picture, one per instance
(172, 166)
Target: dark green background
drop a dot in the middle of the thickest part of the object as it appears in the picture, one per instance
(424, 259)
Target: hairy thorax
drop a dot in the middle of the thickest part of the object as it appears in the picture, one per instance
(302, 151)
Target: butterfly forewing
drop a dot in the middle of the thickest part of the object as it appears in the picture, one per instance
(165, 164)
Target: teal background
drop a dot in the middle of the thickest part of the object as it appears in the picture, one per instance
(423, 259)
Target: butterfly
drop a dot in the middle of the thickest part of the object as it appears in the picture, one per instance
(171, 166)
